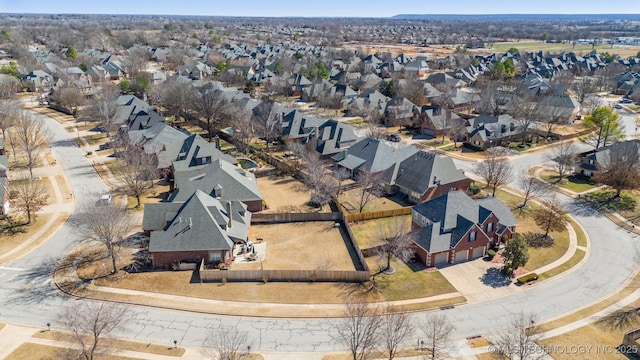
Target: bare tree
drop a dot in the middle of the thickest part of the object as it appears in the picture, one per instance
(395, 329)
(320, 181)
(177, 95)
(619, 168)
(137, 173)
(584, 87)
(91, 322)
(8, 113)
(358, 329)
(227, 343)
(30, 197)
(103, 109)
(341, 174)
(490, 98)
(397, 241)
(107, 225)
(495, 170)
(550, 217)
(374, 130)
(212, 106)
(30, 137)
(370, 188)
(563, 157)
(523, 109)
(69, 97)
(268, 120)
(436, 329)
(136, 59)
(519, 340)
(530, 187)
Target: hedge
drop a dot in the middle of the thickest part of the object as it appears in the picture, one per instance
(527, 278)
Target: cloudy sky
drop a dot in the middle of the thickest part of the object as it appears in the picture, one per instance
(339, 8)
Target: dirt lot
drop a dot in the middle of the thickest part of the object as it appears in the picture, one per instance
(303, 246)
(284, 194)
(351, 201)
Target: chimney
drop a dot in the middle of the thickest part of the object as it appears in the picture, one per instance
(218, 191)
(217, 141)
(229, 213)
(190, 222)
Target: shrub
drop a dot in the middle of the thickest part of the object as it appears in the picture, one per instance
(606, 198)
(491, 254)
(527, 278)
(474, 189)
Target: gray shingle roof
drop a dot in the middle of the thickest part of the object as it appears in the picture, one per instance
(373, 155)
(202, 223)
(237, 184)
(196, 152)
(424, 170)
(451, 215)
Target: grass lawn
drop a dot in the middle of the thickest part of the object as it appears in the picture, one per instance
(351, 199)
(114, 165)
(406, 283)
(575, 259)
(533, 45)
(166, 350)
(573, 183)
(626, 205)
(489, 356)
(9, 242)
(438, 142)
(152, 196)
(34, 351)
(367, 232)
(92, 139)
(2, 326)
(284, 194)
(582, 238)
(537, 256)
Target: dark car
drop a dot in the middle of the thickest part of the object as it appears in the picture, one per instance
(394, 137)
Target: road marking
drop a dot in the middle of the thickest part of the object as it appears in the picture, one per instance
(11, 268)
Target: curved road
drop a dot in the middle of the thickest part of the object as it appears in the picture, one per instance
(28, 297)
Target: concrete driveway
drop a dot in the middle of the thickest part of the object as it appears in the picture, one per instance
(479, 280)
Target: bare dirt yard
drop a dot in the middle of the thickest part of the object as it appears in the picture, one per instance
(284, 194)
(300, 246)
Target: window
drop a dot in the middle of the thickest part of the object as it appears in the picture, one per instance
(490, 227)
(472, 236)
(215, 256)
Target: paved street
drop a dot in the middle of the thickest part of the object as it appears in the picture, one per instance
(28, 297)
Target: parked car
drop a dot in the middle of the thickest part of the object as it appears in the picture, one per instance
(394, 137)
(105, 199)
(618, 106)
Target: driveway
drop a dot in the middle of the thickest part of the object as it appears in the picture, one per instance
(479, 280)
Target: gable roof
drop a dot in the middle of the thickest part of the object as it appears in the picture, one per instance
(196, 153)
(452, 215)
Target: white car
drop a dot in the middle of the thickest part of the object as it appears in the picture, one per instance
(105, 199)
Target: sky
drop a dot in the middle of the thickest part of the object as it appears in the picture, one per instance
(318, 8)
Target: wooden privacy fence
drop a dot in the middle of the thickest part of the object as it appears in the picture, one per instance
(630, 342)
(377, 214)
(207, 275)
(276, 218)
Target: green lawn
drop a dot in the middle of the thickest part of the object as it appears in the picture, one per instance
(438, 142)
(406, 283)
(575, 259)
(573, 183)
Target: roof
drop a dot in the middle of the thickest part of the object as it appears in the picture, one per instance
(201, 223)
(237, 183)
(373, 156)
(195, 153)
(425, 170)
(493, 127)
(452, 215)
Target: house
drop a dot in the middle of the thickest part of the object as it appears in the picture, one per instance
(423, 176)
(371, 156)
(436, 121)
(332, 136)
(222, 180)
(487, 131)
(562, 108)
(38, 81)
(201, 228)
(455, 228)
(590, 160)
(196, 153)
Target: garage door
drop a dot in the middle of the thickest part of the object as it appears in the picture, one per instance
(478, 252)
(461, 256)
(428, 132)
(441, 259)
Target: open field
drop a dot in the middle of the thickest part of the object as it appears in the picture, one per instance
(534, 46)
(351, 202)
(302, 246)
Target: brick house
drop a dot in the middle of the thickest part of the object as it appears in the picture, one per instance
(454, 228)
(423, 176)
(202, 228)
